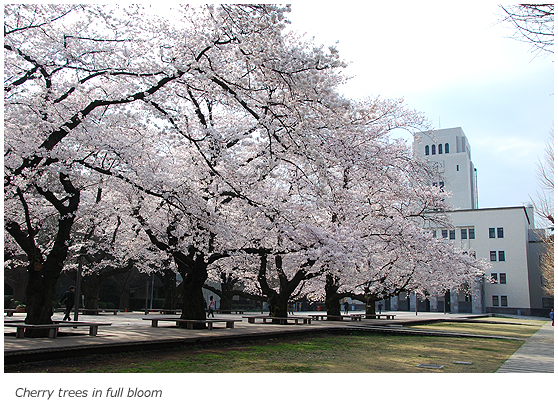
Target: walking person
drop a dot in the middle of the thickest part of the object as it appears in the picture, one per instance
(380, 308)
(552, 316)
(346, 305)
(211, 306)
(68, 299)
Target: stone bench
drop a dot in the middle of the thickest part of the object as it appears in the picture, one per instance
(229, 311)
(280, 320)
(163, 311)
(380, 316)
(54, 327)
(337, 317)
(229, 323)
(97, 311)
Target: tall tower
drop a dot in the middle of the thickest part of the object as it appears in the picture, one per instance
(450, 149)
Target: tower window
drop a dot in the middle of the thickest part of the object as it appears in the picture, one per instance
(427, 150)
(440, 148)
(471, 233)
(463, 233)
(447, 147)
(501, 256)
(504, 300)
(495, 300)
(452, 234)
(491, 233)
(493, 256)
(500, 231)
(444, 233)
(458, 168)
(433, 149)
(503, 279)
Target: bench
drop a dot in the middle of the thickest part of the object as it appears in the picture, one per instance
(280, 320)
(337, 317)
(229, 323)
(163, 311)
(53, 327)
(380, 316)
(10, 312)
(228, 311)
(97, 311)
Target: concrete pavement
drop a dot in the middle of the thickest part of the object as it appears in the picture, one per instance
(535, 355)
(129, 332)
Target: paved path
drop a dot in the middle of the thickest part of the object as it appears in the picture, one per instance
(535, 355)
(129, 331)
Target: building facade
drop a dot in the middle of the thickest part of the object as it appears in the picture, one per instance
(504, 236)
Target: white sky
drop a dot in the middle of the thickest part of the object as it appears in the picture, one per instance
(455, 63)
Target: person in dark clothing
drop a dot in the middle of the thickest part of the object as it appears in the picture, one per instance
(346, 307)
(68, 299)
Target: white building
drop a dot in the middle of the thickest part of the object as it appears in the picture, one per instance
(449, 148)
(504, 236)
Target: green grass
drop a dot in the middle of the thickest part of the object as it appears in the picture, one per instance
(356, 353)
(522, 331)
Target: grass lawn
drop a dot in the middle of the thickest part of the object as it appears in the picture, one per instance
(324, 353)
(523, 330)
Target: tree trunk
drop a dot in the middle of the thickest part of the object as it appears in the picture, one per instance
(194, 275)
(40, 295)
(370, 305)
(332, 298)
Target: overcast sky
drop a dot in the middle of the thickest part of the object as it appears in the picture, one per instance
(456, 63)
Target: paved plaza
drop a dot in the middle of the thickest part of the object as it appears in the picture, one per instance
(130, 332)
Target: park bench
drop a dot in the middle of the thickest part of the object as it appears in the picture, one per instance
(229, 323)
(163, 311)
(380, 316)
(54, 327)
(280, 320)
(229, 311)
(97, 311)
(10, 312)
(352, 317)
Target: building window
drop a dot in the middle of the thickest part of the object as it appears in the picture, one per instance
(426, 150)
(494, 277)
(495, 300)
(463, 233)
(504, 300)
(444, 233)
(447, 147)
(491, 233)
(503, 279)
(440, 148)
(433, 149)
(493, 256)
(500, 232)
(472, 233)
(452, 234)
(458, 168)
(434, 233)
(501, 256)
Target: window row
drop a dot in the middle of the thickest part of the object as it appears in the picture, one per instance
(466, 233)
(497, 256)
(501, 300)
(502, 278)
(493, 232)
(440, 147)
